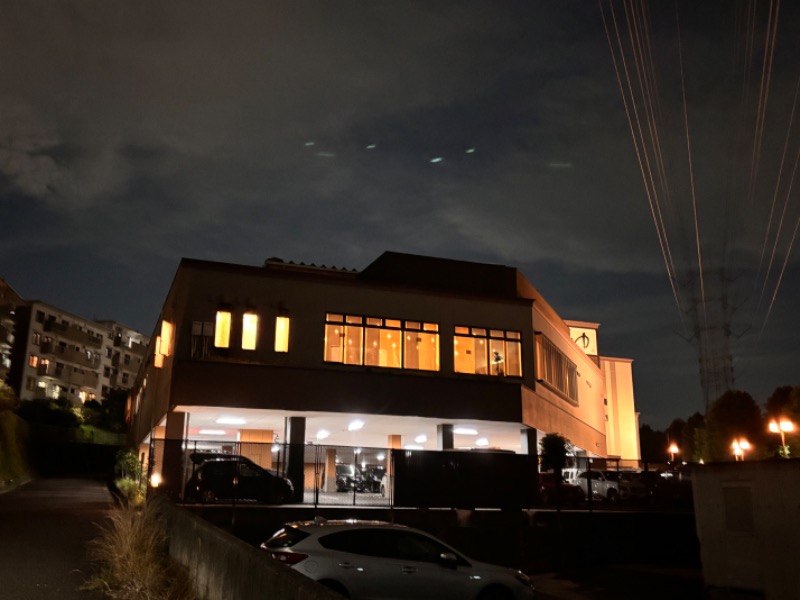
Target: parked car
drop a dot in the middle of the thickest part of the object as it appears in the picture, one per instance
(349, 478)
(378, 560)
(570, 493)
(604, 484)
(372, 478)
(236, 477)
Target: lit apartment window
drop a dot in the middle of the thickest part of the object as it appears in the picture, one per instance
(555, 370)
(383, 343)
(421, 346)
(249, 331)
(222, 329)
(166, 338)
(33, 361)
(379, 342)
(481, 351)
(281, 334)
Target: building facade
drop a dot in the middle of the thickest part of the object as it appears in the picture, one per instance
(61, 355)
(412, 352)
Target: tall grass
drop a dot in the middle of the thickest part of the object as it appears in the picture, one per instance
(132, 559)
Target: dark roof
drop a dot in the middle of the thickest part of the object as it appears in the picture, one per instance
(442, 274)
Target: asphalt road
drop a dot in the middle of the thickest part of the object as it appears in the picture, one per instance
(44, 528)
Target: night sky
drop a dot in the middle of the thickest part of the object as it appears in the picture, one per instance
(136, 133)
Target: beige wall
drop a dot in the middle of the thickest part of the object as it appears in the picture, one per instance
(583, 424)
(622, 426)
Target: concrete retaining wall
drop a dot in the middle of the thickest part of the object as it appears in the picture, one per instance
(223, 567)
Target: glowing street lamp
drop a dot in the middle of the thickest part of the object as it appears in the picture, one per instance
(739, 447)
(673, 450)
(783, 427)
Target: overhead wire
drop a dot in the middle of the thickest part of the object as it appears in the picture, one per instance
(632, 114)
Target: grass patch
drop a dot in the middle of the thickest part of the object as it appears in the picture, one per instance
(132, 559)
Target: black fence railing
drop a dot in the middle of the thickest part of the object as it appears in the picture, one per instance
(321, 475)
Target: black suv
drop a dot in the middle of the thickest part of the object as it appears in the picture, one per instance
(236, 477)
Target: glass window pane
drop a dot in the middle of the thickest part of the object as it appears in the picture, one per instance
(513, 335)
(479, 331)
(464, 354)
(334, 318)
(432, 327)
(497, 333)
(222, 332)
(513, 359)
(353, 345)
(391, 348)
(497, 351)
(355, 320)
(462, 330)
(392, 323)
(372, 346)
(334, 343)
(282, 334)
(413, 325)
(249, 331)
(374, 322)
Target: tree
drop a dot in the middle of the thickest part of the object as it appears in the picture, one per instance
(733, 415)
(777, 402)
(653, 444)
(693, 447)
(553, 449)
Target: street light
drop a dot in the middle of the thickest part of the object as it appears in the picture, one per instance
(739, 447)
(783, 427)
(673, 450)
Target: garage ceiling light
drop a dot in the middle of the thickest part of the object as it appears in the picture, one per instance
(355, 425)
(212, 432)
(482, 442)
(465, 431)
(421, 438)
(231, 421)
(322, 434)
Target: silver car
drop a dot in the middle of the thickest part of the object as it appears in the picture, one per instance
(376, 560)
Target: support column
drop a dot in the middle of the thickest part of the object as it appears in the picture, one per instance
(528, 441)
(256, 444)
(295, 455)
(330, 470)
(172, 476)
(444, 436)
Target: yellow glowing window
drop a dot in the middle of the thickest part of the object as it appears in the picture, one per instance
(222, 330)
(249, 331)
(33, 361)
(166, 338)
(281, 334)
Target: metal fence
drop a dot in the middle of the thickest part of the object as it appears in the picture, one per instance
(323, 475)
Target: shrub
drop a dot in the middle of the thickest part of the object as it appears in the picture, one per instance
(132, 559)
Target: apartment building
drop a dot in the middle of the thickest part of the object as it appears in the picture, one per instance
(61, 355)
(412, 352)
(9, 301)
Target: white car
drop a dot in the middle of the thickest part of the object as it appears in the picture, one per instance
(376, 560)
(605, 484)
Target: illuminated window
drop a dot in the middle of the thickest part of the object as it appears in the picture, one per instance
(421, 346)
(556, 370)
(281, 334)
(494, 352)
(166, 338)
(379, 342)
(33, 361)
(249, 331)
(222, 329)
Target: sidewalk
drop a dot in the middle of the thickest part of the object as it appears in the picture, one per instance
(44, 527)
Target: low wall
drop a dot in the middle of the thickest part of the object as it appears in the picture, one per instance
(748, 517)
(223, 567)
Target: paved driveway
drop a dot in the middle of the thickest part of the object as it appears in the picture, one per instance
(44, 527)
